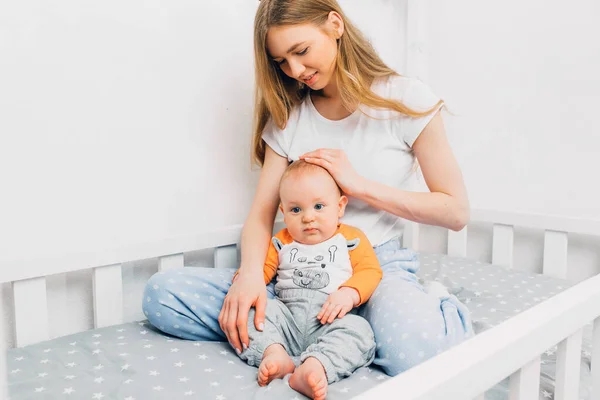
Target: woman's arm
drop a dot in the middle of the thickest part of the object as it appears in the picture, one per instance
(248, 289)
(445, 205)
(447, 202)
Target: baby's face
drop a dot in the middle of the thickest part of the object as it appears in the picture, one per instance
(311, 206)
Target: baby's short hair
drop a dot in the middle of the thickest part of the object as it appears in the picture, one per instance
(303, 167)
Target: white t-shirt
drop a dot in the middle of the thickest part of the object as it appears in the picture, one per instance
(323, 266)
(379, 148)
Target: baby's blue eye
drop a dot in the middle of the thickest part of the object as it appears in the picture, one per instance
(319, 206)
(295, 210)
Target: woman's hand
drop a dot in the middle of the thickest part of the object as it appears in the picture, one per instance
(338, 304)
(336, 162)
(246, 291)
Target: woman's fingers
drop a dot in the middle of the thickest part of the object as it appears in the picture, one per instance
(320, 153)
(231, 327)
(242, 324)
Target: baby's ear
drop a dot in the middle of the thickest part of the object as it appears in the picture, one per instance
(342, 204)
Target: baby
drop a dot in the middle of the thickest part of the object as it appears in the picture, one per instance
(324, 270)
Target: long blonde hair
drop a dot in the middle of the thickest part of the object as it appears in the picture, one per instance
(357, 65)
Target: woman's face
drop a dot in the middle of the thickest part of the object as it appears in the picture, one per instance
(306, 52)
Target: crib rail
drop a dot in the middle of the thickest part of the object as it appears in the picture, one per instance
(511, 348)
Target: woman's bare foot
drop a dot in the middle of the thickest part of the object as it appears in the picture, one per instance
(310, 379)
(276, 364)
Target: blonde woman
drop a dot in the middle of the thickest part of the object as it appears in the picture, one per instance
(324, 95)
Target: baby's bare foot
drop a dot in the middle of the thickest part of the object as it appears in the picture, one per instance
(276, 364)
(310, 379)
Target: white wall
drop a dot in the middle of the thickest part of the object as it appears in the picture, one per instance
(521, 81)
(124, 123)
(128, 122)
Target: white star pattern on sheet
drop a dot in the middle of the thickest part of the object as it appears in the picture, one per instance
(151, 358)
(99, 379)
(68, 390)
(40, 389)
(98, 396)
(157, 388)
(128, 381)
(42, 374)
(129, 398)
(178, 364)
(203, 356)
(70, 377)
(44, 361)
(14, 371)
(221, 397)
(125, 367)
(19, 358)
(154, 373)
(188, 393)
(214, 384)
(184, 379)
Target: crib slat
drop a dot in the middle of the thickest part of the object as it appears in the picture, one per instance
(596, 360)
(568, 359)
(31, 311)
(172, 261)
(3, 385)
(226, 257)
(503, 245)
(410, 238)
(525, 383)
(555, 253)
(108, 295)
(457, 243)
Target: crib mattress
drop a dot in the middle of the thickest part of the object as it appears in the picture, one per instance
(134, 361)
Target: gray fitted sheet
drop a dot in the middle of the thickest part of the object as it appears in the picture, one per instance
(134, 362)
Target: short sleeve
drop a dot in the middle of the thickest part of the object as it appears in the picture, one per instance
(275, 138)
(417, 96)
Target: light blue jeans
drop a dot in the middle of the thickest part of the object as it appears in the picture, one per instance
(410, 325)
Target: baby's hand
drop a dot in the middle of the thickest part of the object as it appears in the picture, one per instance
(338, 304)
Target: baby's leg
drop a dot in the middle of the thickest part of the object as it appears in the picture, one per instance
(268, 349)
(337, 351)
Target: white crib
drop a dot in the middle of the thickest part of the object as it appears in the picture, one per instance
(511, 349)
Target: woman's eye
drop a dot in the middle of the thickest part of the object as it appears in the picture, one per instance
(319, 206)
(295, 210)
(303, 52)
(280, 62)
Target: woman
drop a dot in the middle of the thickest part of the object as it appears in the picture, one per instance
(323, 95)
